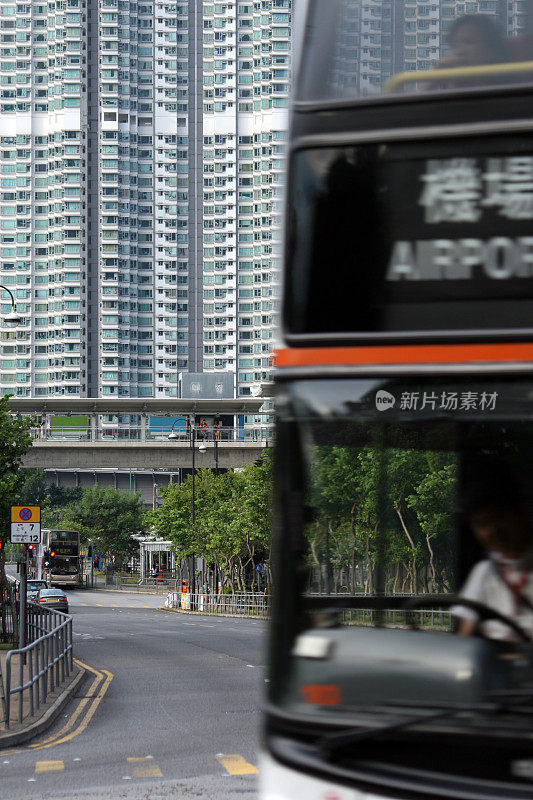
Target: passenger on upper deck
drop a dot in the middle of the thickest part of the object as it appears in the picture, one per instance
(498, 516)
(473, 40)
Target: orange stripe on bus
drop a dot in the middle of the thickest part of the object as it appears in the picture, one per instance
(404, 354)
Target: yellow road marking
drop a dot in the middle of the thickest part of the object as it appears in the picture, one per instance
(83, 604)
(99, 676)
(100, 605)
(147, 772)
(236, 765)
(114, 606)
(49, 766)
(81, 705)
(90, 712)
(146, 768)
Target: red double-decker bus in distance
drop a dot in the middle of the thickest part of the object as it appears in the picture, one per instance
(402, 623)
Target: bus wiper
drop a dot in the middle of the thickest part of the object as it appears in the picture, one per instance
(336, 742)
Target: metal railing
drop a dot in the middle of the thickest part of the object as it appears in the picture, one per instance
(398, 617)
(258, 605)
(140, 433)
(241, 603)
(44, 664)
(8, 617)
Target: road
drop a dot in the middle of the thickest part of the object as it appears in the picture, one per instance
(171, 697)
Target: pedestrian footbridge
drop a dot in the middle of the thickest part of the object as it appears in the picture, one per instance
(126, 443)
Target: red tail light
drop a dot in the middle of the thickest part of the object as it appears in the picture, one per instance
(42, 600)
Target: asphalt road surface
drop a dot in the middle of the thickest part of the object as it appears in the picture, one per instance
(170, 708)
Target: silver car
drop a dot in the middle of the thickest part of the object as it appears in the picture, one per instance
(33, 587)
(53, 598)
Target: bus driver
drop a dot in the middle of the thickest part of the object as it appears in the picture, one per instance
(498, 516)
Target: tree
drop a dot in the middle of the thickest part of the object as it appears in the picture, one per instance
(36, 489)
(108, 519)
(15, 441)
(232, 519)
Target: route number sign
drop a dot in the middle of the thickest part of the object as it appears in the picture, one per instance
(25, 524)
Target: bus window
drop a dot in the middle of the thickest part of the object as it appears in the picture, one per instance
(358, 49)
(398, 475)
(412, 236)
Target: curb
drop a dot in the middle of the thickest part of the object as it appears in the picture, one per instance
(42, 724)
(207, 614)
(122, 591)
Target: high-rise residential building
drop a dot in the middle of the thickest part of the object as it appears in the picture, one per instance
(140, 172)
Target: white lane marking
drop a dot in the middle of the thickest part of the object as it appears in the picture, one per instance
(32, 780)
(6, 762)
(76, 759)
(126, 777)
(251, 665)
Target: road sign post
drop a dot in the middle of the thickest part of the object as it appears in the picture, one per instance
(22, 600)
(25, 524)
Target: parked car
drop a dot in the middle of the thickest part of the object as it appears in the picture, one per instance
(33, 587)
(53, 598)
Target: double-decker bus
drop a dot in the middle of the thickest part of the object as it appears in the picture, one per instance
(64, 550)
(401, 661)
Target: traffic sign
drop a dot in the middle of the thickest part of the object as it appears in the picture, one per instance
(25, 514)
(25, 532)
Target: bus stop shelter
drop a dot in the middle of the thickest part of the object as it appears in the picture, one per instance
(156, 555)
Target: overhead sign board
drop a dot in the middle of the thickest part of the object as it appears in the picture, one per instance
(25, 524)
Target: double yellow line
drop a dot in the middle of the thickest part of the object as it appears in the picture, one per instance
(84, 711)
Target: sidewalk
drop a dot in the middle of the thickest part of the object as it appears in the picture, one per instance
(33, 725)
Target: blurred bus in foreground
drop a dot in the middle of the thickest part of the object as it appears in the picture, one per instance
(401, 639)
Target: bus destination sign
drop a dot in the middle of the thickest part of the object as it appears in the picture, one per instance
(461, 192)
(423, 238)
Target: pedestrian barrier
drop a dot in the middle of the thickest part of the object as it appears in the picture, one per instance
(44, 664)
(398, 617)
(96, 432)
(258, 605)
(241, 603)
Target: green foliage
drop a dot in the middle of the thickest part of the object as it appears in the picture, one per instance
(15, 441)
(108, 519)
(35, 489)
(232, 518)
(390, 508)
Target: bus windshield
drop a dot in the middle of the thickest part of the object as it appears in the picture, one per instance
(398, 475)
(367, 48)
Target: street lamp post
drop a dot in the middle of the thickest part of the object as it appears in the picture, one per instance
(215, 445)
(201, 448)
(13, 318)
(92, 564)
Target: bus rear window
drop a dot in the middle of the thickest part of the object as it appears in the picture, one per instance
(364, 48)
